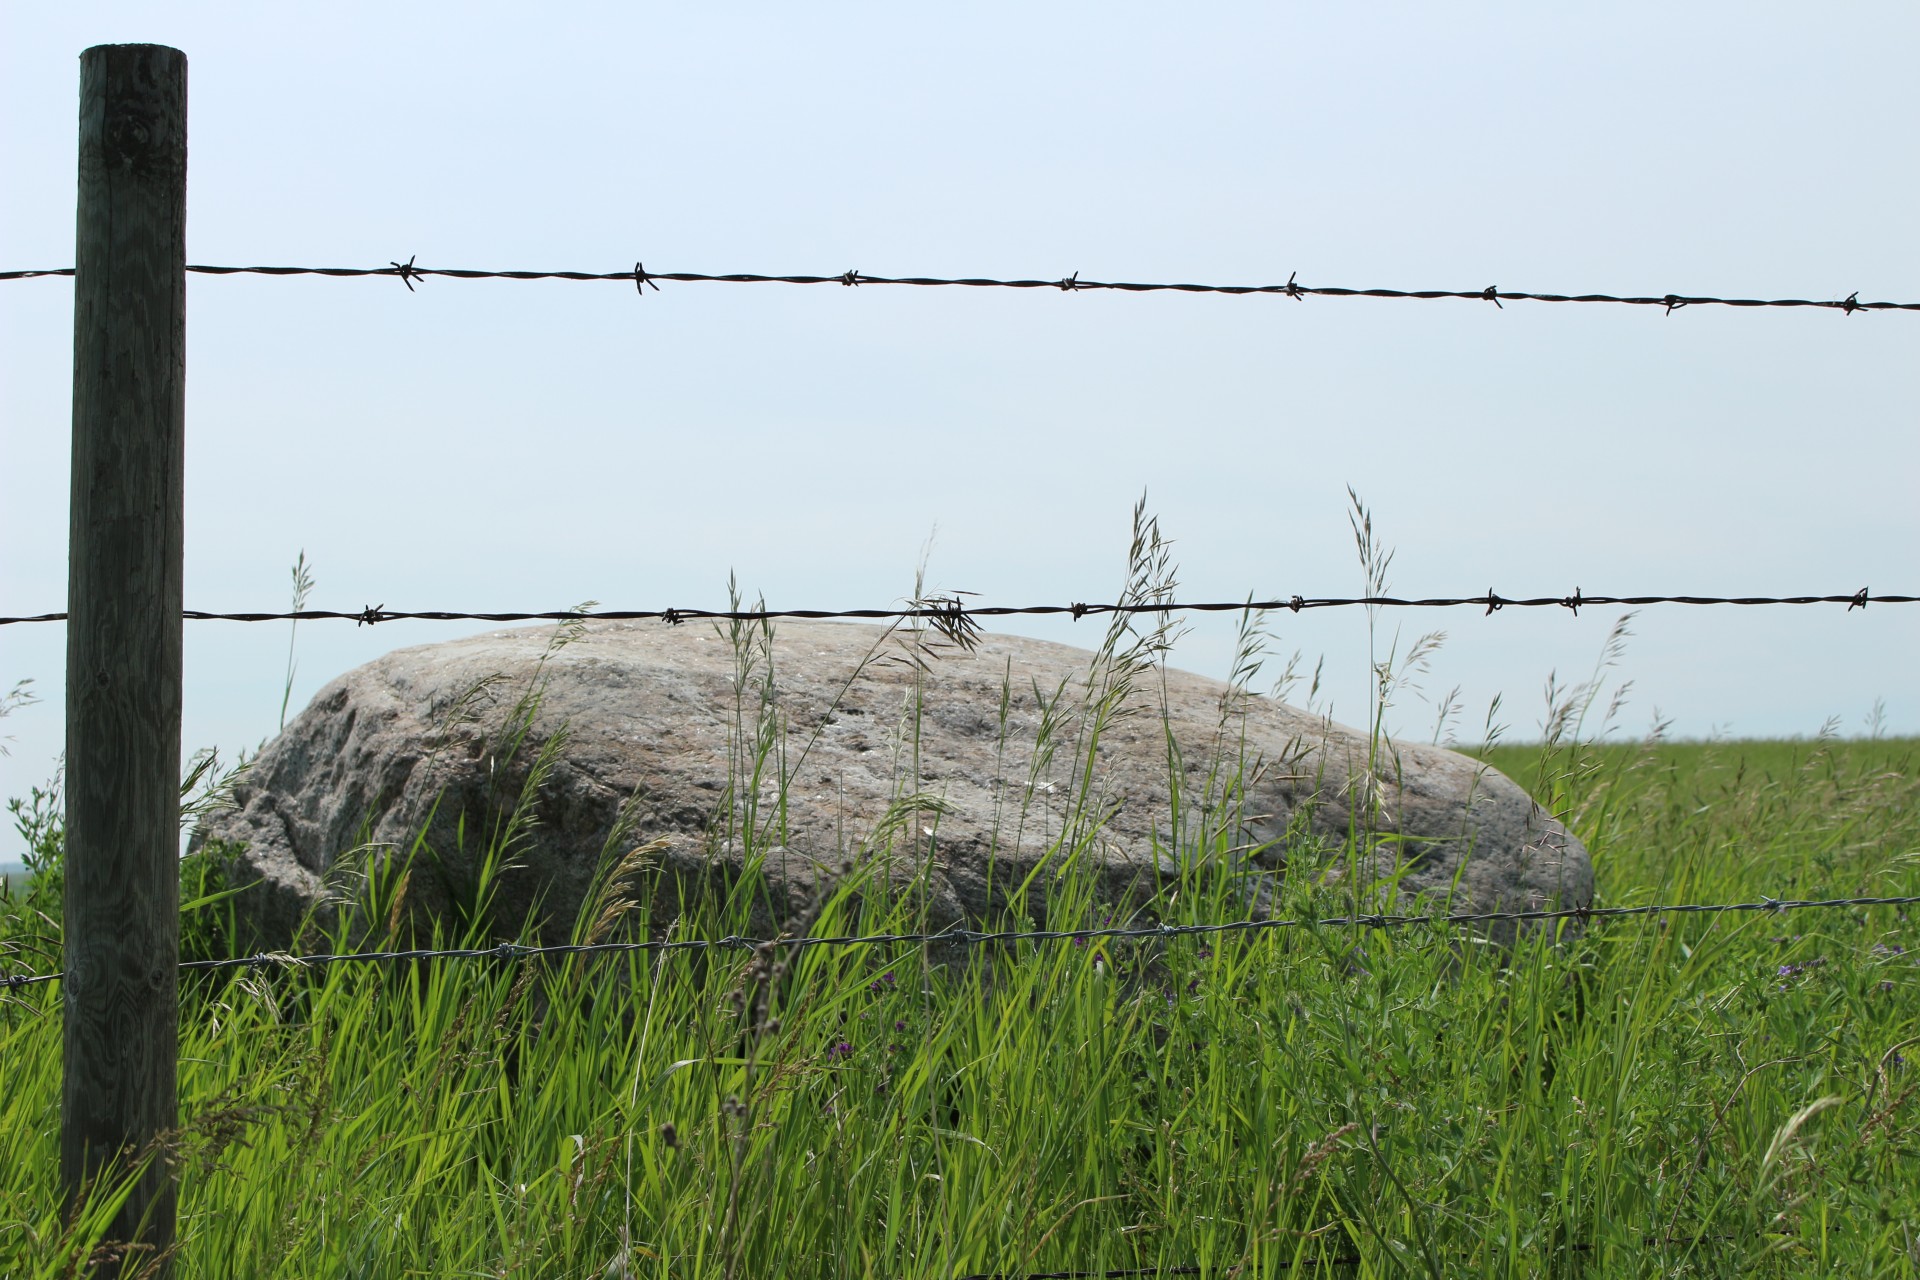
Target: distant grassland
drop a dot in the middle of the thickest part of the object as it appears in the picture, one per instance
(1712, 768)
(1651, 811)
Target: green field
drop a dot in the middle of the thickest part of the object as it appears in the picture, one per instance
(1721, 1095)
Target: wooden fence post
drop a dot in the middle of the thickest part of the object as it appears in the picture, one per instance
(120, 992)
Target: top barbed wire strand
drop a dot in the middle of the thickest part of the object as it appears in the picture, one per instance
(408, 273)
(951, 611)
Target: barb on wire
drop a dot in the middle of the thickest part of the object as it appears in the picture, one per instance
(955, 619)
(952, 620)
(409, 273)
(972, 938)
(405, 270)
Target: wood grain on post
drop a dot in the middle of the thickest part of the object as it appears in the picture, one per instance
(124, 599)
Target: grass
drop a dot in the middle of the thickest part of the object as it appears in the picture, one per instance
(1690, 1096)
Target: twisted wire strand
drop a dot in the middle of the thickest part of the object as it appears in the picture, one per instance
(969, 937)
(951, 610)
(409, 273)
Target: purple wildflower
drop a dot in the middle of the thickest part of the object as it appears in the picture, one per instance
(840, 1050)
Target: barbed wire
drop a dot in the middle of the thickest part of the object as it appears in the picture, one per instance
(1332, 1260)
(1286, 1264)
(1186, 1269)
(952, 610)
(974, 938)
(641, 279)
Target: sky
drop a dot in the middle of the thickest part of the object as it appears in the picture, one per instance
(506, 446)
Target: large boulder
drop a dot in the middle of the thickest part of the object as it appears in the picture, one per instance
(819, 747)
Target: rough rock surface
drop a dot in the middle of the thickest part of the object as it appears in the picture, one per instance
(662, 724)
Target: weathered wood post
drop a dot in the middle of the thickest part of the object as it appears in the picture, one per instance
(123, 629)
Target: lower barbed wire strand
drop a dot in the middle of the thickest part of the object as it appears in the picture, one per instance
(969, 937)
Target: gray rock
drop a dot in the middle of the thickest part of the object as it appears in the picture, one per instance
(962, 774)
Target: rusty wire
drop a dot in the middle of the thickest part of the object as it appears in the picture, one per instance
(968, 937)
(952, 612)
(641, 279)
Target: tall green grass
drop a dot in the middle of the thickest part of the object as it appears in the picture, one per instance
(1691, 1096)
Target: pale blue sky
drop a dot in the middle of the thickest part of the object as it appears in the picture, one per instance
(503, 445)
